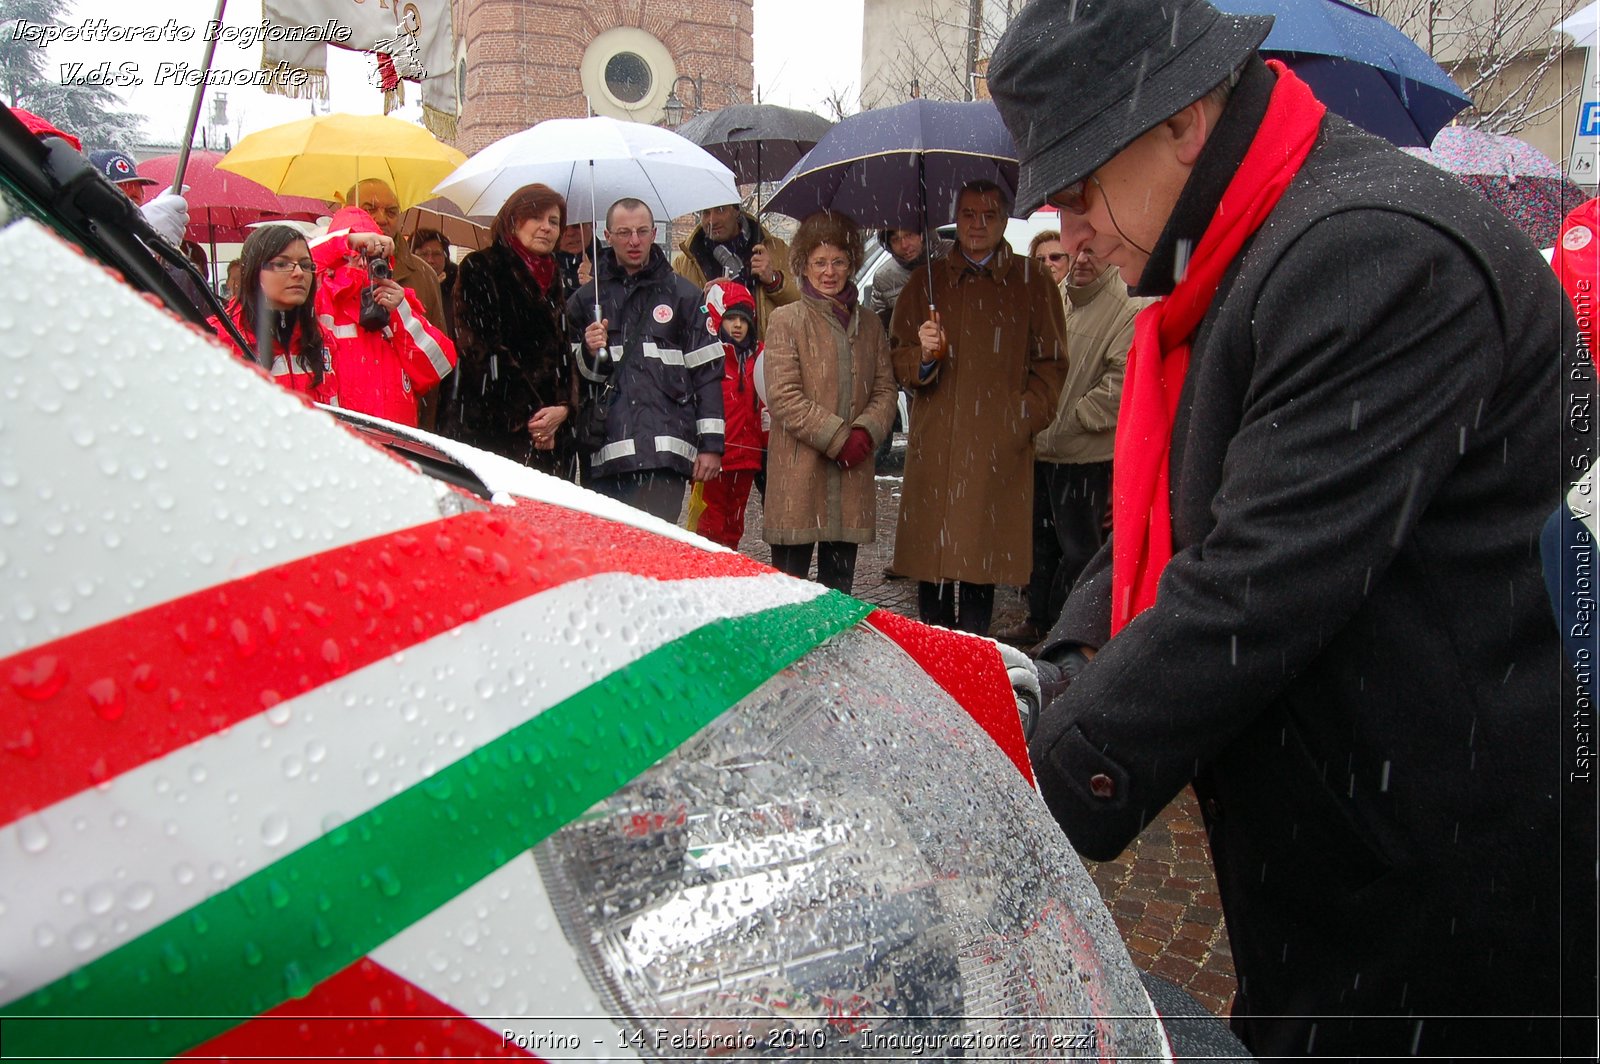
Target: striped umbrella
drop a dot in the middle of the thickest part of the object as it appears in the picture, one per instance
(293, 717)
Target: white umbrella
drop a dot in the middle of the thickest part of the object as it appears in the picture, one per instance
(593, 162)
(1581, 25)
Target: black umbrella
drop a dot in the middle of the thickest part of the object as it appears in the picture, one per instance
(901, 166)
(758, 141)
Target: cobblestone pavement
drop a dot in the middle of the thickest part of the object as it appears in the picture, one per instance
(1161, 890)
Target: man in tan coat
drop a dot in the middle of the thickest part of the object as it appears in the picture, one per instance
(1073, 456)
(985, 370)
(729, 239)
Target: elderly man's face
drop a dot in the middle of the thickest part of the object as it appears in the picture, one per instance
(980, 223)
(378, 200)
(1129, 199)
(720, 223)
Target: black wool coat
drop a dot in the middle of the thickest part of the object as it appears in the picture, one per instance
(1350, 655)
(514, 359)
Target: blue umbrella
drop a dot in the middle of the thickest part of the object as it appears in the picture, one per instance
(1362, 67)
(901, 166)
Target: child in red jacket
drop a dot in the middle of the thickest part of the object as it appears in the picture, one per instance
(716, 507)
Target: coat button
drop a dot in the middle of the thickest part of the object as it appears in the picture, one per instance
(1101, 785)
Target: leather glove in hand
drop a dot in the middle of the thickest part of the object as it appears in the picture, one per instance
(856, 448)
(1057, 671)
(168, 215)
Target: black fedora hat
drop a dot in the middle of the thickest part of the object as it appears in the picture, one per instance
(1076, 81)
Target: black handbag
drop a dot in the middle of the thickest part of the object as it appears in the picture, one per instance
(592, 415)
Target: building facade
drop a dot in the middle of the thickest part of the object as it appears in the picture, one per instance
(519, 62)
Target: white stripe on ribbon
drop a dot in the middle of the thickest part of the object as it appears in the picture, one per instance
(181, 474)
(620, 449)
(498, 950)
(710, 425)
(100, 868)
(424, 340)
(712, 352)
(676, 446)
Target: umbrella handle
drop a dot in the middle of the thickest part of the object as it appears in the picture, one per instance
(594, 243)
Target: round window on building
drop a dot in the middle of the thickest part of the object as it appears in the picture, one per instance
(628, 77)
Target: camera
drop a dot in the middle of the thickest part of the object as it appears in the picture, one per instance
(374, 317)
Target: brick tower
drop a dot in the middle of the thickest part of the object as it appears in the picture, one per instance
(519, 62)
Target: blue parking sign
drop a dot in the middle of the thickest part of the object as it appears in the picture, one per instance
(1589, 120)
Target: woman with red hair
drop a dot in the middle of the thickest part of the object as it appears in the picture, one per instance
(515, 390)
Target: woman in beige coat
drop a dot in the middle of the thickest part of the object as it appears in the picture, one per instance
(831, 394)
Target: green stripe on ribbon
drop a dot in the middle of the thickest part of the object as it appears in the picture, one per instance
(276, 934)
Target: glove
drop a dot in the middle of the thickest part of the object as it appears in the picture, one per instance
(1057, 671)
(168, 215)
(856, 448)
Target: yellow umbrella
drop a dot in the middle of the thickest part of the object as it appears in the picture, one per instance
(326, 155)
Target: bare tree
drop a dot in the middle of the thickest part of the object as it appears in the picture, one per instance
(1505, 54)
(940, 50)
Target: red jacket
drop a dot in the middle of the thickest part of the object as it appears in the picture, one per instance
(744, 439)
(291, 373)
(380, 373)
(1577, 262)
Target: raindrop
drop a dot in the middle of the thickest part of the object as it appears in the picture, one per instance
(32, 835)
(139, 896)
(99, 899)
(275, 829)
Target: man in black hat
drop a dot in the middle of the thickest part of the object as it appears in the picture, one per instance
(1321, 605)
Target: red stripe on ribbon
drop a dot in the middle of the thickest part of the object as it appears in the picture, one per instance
(83, 709)
(971, 671)
(365, 1011)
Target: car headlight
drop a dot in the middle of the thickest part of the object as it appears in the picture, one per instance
(844, 864)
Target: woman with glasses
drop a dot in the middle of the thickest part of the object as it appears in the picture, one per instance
(831, 394)
(1046, 251)
(516, 390)
(273, 305)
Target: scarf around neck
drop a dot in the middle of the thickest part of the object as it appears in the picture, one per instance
(1159, 357)
(543, 267)
(843, 305)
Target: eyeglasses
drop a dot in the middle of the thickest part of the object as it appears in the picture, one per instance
(385, 212)
(289, 265)
(829, 264)
(1051, 256)
(1071, 199)
(646, 233)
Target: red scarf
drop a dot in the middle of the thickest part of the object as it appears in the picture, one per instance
(543, 267)
(1142, 506)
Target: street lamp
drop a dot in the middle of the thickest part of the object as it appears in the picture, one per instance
(674, 106)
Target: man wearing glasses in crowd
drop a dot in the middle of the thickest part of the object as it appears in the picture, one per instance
(651, 410)
(1343, 426)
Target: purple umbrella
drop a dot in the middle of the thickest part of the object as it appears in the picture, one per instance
(1515, 177)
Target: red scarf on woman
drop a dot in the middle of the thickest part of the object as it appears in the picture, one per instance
(1142, 507)
(543, 267)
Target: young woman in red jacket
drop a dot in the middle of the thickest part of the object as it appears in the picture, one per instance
(275, 308)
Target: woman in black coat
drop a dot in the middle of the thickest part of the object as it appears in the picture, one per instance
(514, 392)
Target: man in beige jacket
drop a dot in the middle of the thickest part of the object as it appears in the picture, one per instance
(1072, 458)
(730, 243)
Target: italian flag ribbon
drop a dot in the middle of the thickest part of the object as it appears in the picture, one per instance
(119, 718)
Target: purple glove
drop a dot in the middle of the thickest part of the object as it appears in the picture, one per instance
(855, 449)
